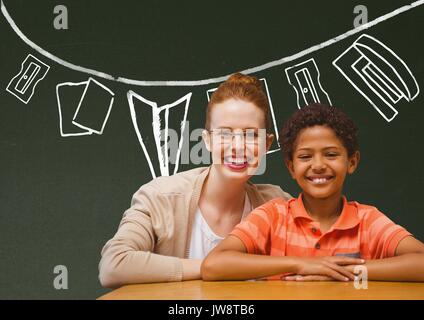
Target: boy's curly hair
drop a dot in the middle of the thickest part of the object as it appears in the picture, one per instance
(318, 114)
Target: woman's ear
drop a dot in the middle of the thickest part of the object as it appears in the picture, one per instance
(289, 165)
(207, 139)
(353, 162)
(269, 140)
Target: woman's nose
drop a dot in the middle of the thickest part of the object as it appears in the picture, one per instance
(238, 146)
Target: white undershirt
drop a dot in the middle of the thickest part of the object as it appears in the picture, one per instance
(203, 239)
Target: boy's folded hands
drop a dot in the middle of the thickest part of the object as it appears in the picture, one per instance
(324, 269)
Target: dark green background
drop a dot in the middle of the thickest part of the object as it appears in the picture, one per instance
(62, 198)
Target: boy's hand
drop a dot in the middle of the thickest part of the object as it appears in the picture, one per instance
(307, 278)
(325, 269)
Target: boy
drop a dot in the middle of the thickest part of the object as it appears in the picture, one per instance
(319, 235)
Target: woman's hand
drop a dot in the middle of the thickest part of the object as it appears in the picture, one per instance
(325, 269)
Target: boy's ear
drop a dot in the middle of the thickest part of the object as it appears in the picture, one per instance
(207, 139)
(353, 162)
(289, 165)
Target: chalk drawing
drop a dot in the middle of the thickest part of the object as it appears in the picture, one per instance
(85, 110)
(271, 111)
(377, 73)
(305, 80)
(23, 84)
(94, 107)
(68, 95)
(158, 130)
(210, 80)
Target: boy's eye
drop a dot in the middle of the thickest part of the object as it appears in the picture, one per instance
(331, 154)
(304, 156)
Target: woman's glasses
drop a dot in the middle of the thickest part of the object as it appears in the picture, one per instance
(248, 136)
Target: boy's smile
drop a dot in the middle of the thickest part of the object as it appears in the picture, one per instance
(320, 162)
(319, 179)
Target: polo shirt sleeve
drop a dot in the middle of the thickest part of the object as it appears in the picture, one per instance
(255, 231)
(383, 235)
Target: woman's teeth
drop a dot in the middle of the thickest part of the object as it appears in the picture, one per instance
(236, 161)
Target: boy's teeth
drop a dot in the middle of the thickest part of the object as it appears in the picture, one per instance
(319, 180)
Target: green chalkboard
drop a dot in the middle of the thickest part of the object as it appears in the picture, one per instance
(81, 82)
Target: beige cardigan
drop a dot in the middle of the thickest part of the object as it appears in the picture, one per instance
(155, 231)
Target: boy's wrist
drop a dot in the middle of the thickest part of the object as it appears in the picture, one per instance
(292, 264)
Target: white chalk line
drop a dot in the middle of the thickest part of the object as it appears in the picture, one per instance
(211, 80)
(156, 127)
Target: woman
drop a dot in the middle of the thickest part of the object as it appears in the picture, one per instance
(174, 222)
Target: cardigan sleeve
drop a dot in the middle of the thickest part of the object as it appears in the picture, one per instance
(128, 257)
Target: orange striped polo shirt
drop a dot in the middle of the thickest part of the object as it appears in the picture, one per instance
(284, 228)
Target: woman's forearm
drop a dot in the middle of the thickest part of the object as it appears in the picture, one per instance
(191, 269)
(235, 265)
(406, 267)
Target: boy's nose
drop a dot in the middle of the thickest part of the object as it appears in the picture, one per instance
(318, 164)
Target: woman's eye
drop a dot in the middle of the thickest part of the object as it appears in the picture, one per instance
(251, 134)
(226, 134)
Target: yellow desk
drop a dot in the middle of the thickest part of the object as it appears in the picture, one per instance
(266, 290)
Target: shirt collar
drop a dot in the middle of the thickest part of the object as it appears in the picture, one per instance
(348, 218)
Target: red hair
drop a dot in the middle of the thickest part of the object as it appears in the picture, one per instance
(242, 87)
